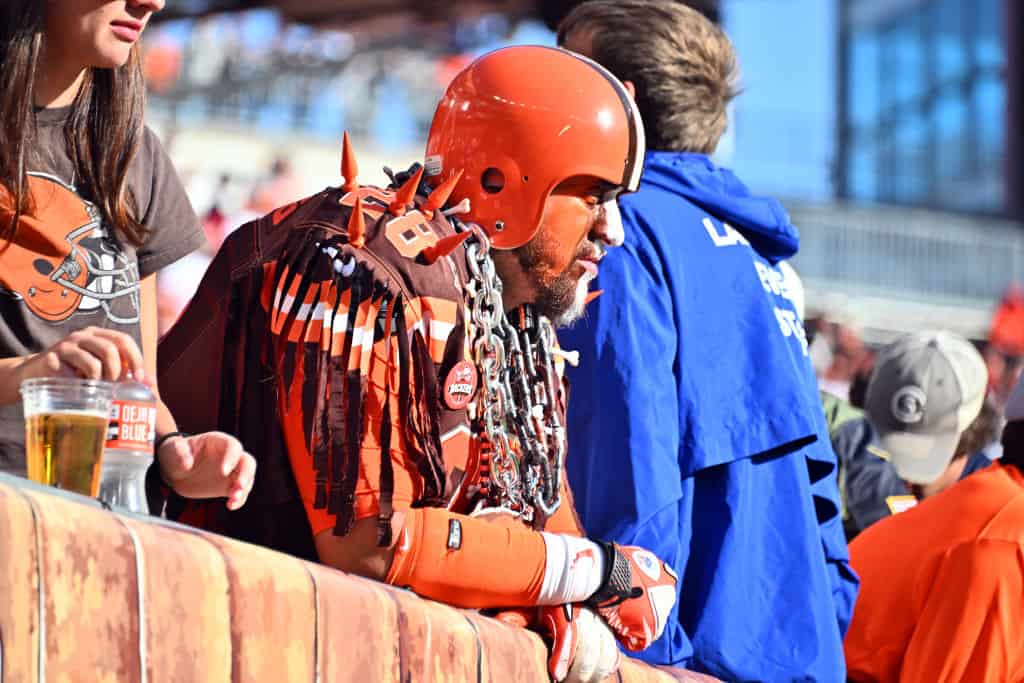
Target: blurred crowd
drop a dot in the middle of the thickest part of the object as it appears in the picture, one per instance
(847, 366)
(231, 202)
(843, 360)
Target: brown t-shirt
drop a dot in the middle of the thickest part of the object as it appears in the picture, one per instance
(66, 269)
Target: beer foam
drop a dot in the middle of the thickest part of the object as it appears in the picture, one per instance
(80, 413)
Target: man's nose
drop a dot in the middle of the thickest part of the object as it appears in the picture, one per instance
(148, 5)
(608, 226)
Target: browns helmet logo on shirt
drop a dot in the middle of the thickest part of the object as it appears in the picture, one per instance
(62, 259)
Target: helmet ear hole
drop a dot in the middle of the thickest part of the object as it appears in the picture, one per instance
(492, 180)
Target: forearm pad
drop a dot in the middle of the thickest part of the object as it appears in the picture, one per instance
(471, 562)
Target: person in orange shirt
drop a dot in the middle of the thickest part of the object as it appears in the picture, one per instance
(942, 585)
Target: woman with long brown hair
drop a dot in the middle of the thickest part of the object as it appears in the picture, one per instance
(90, 210)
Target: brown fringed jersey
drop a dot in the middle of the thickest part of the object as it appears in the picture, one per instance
(345, 371)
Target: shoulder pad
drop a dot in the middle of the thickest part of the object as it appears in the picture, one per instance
(352, 298)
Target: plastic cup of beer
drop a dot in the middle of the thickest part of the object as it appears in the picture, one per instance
(65, 429)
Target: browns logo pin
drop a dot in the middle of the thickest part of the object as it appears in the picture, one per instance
(460, 385)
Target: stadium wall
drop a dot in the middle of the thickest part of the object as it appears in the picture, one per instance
(87, 594)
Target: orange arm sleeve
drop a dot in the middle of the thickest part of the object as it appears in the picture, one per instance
(970, 625)
(473, 562)
(468, 562)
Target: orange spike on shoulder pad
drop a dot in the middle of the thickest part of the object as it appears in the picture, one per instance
(439, 197)
(405, 194)
(357, 225)
(349, 167)
(592, 295)
(443, 247)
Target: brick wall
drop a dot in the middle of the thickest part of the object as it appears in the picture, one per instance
(87, 595)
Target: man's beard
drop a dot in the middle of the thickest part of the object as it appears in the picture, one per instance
(561, 299)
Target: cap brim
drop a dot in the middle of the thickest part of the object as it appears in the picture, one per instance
(920, 458)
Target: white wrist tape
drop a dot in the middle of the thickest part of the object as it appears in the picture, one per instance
(573, 569)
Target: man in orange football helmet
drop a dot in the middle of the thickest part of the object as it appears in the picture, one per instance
(522, 167)
(414, 433)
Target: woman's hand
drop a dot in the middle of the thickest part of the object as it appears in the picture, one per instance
(208, 465)
(90, 353)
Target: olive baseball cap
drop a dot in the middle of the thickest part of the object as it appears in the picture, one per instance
(926, 388)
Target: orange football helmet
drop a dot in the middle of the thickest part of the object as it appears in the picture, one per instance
(520, 120)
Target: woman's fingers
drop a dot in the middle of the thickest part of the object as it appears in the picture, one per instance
(129, 351)
(97, 353)
(104, 350)
(84, 363)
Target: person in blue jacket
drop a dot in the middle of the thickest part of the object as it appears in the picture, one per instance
(695, 427)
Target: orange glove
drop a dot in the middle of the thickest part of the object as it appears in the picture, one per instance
(636, 596)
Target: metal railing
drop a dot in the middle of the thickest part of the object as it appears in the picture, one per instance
(914, 254)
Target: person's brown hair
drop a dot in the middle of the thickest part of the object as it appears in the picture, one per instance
(683, 66)
(102, 132)
(981, 432)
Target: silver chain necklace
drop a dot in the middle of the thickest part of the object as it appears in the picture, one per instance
(517, 406)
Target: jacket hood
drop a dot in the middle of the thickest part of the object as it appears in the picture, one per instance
(761, 220)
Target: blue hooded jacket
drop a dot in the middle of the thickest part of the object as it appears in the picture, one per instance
(695, 429)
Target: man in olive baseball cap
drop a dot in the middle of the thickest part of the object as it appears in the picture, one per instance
(926, 426)
(925, 390)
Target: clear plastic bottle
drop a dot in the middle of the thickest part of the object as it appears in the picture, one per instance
(129, 448)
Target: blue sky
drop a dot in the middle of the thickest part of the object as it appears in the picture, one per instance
(783, 124)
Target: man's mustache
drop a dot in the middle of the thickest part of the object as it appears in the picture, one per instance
(591, 251)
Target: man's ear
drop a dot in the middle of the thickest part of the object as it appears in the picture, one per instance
(630, 88)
